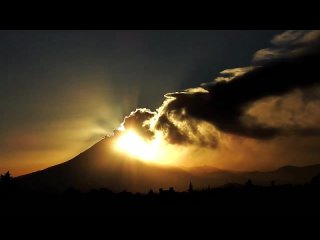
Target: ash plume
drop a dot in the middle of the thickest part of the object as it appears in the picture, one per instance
(198, 115)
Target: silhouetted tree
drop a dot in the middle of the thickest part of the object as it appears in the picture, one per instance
(316, 180)
(71, 192)
(249, 183)
(6, 178)
(190, 190)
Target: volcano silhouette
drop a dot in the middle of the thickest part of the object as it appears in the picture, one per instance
(101, 166)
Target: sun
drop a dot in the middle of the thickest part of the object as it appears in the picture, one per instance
(156, 150)
(130, 143)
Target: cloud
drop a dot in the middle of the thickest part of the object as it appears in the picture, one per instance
(176, 126)
(225, 101)
(235, 102)
(288, 45)
(258, 117)
(137, 120)
(230, 74)
(297, 112)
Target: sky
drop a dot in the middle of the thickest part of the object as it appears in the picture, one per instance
(62, 91)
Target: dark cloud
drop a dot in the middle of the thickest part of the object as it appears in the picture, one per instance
(196, 115)
(137, 121)
(290, 44)
(177, 127)
(174, 135)
(224, 103)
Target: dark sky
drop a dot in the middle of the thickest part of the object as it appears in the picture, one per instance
(61, 91)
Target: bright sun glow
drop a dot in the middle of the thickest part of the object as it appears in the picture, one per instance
(132, 144)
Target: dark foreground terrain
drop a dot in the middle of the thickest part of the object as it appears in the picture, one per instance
(231, 199)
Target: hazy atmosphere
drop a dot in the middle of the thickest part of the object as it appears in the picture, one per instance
(234, 100)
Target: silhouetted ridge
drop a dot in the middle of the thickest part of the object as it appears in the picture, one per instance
(102, 167)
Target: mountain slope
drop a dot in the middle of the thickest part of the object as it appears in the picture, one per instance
(286, 174)
(100, 166)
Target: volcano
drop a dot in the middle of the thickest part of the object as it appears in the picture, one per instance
(101, 166)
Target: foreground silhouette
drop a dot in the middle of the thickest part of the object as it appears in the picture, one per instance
(230, 199)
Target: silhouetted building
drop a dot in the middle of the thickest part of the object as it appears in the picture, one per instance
(249, 183)
(190, 190)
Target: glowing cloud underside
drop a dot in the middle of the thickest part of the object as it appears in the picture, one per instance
(155, 150)
(134, 145)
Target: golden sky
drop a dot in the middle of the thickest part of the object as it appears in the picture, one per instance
(64, 91)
